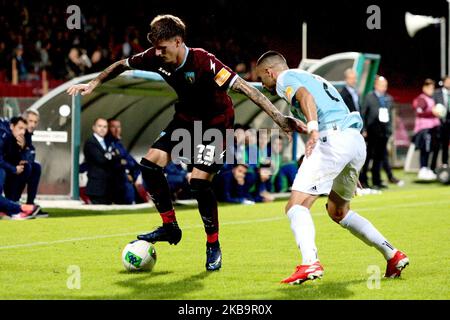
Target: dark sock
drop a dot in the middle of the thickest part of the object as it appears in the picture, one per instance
(158, 188)
(214, 244)
(207, 205)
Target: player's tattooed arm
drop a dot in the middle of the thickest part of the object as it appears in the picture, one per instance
(287, 124)
(109, 73)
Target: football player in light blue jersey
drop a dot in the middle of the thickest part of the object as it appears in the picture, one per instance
(331, 109)
(335, 152)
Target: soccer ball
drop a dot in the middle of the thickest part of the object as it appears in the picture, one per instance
(139, 255)
(440, 110)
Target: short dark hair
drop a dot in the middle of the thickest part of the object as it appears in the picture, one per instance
(15, 120)
(165, 27)
(272, 55)
(112, 119)
(428, 82)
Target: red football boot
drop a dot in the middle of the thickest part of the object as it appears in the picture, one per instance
(305, 272)
(396, 264)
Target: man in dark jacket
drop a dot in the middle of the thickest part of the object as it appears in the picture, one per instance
(12, 142)
(349, 92)
(32, 169)
(377, 112)
(442, 96)
(126, 169)
(11, 145)
(231, 187)
(99, 158)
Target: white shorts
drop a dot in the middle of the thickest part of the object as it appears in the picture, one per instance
(334, 164)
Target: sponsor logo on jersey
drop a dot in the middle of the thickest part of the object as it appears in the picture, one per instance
(163, 71)
(289, 91)
(190, 77)
(212, 65)
(222, 76)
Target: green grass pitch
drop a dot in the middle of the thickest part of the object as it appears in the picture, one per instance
(258, 251)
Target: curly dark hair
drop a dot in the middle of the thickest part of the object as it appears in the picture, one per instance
(165, 27)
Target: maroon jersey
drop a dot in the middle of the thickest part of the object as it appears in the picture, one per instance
(201, 83)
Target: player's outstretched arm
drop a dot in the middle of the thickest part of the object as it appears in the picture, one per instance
(287, 124)
(109, 73)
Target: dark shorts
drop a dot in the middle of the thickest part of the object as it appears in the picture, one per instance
(195, 144)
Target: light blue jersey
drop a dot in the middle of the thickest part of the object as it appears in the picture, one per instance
(331, 109)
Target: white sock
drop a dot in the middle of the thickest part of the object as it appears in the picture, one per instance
(302, 226)
(364, 230)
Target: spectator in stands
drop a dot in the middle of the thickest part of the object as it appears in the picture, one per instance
(285, 177)
(239, 150)
(263, 146)
(425, 128)
(442, 96)
(230, 185)
(10, 152)
(178, 179)
(43, 48)
(29, 178)
(20, 64)
(251, 147)
(100, 159)
(125, 169)
(377, 112)
(78, 63)
(349, 92)
(276, 156)
(12, 144)
(99, 60)
(251, 156)
(258, 188)
(3, 60)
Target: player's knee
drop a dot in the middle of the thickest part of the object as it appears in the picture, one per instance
(306, 202)
(149, 168)
(336, 213)
(200, 187)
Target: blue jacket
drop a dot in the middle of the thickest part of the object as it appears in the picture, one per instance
(227, 189)
(131, 167)
(176, 175)
(10, 152)
(285, 177)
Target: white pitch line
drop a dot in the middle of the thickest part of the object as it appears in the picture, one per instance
(281, 217)
(42, 243)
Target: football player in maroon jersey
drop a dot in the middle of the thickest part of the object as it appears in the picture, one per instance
(201, 82)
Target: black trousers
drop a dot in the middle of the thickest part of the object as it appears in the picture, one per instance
(377, 152)
(445, 140)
